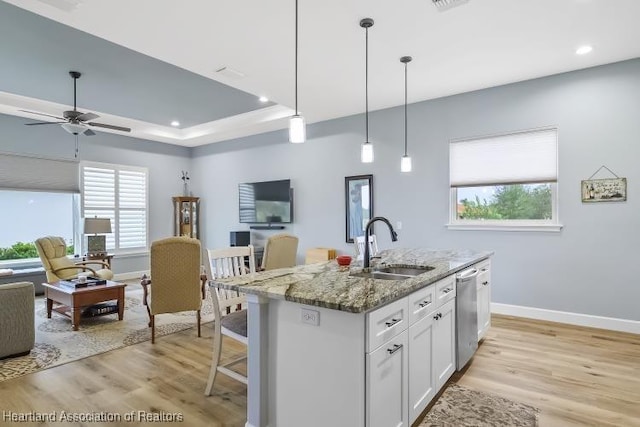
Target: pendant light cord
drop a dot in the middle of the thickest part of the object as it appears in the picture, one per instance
(366, 83)
(405, 109)
(296, 78)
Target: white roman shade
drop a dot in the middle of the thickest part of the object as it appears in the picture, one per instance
(522, 157)
(21, 172)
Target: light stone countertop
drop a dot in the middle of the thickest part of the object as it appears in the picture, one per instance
(329, 285)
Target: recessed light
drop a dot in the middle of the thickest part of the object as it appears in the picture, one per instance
(175, 123)
(583, 50)
(263, 99)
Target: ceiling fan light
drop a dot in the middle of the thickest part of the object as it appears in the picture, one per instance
(74, 128)
(366, 153)
(405, 164)
(297, 131)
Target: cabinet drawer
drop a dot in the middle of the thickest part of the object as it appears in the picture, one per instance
(386, 322)
(421, 303)
(445, 290)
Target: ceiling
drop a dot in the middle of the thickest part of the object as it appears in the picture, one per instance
(148, 62)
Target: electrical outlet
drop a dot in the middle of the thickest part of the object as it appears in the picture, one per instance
(398, 225)
(312, 317)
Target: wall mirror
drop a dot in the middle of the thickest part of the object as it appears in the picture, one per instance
(359, 204)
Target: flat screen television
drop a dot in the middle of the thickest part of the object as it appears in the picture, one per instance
(269, 202)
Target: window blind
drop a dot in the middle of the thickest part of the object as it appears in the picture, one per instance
(22, 172)
(522, 157)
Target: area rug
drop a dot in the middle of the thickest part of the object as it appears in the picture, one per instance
(57, 343)
(460, 407)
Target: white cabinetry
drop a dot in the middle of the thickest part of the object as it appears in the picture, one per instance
(484, 297)
(406, 371)
(444, 343)
(386, 366)
(387, 385)
(422, 387)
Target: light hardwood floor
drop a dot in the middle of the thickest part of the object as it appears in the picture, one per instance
(575, 376)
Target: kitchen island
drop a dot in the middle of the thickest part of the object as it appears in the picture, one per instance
(325, 346)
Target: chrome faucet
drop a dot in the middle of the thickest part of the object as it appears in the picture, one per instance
(394, 237)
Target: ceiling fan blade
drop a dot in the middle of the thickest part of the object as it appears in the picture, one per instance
(87, 116)
(88, 132)
(42, 114)
(43, 123)
(102, 125)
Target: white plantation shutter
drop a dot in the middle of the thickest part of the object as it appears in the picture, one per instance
(132, 217)
(120, 194)
(522, 157)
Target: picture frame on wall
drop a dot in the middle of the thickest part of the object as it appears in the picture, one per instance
(358, 192)
(604, 190)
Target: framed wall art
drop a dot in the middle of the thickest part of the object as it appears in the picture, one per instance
(604, 190)
(358, 192)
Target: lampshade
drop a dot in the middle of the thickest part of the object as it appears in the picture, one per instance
(74, 128)
(366, 153)
(405, 164)
(97, 225)
(297, 131)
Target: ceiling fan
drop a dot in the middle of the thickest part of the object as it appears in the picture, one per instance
(74, 121)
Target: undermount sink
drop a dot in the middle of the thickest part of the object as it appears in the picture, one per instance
(392, 272)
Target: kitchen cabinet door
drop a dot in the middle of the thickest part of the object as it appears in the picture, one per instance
(421, 378)
(484, 298)
(387, 384)
(444, 341)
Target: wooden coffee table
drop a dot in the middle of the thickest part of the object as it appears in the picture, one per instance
(75, 299)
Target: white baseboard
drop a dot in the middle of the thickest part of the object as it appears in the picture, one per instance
(130, 275)
(611, 323)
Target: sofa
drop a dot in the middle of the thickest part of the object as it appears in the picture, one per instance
(17, 319)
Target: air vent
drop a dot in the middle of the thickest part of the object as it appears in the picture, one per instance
(443, 5)
(230, 72)
(66, 5)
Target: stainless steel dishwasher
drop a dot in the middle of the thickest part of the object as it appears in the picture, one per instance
(466, 316)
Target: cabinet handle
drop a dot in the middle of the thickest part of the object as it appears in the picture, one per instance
(393, 322)
(395, 348)
(437, 316)
(424, 304)
(447, 290)
(483, 270)
(485, 283)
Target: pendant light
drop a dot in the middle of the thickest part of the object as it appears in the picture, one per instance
(366, 150)
(405, 163)
(297, 130)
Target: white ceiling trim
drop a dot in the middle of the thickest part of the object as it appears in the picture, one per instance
(246, 124)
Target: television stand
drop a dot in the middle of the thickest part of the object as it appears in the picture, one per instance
(267, 227)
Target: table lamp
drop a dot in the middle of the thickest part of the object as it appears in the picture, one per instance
(96, 245)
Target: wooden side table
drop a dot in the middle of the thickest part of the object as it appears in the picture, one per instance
(99, 257)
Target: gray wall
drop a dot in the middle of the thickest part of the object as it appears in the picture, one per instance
(586, 268)
(165, 163)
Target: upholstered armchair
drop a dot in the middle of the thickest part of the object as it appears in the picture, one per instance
(53, 254)
(175, 283)
(280, 252)
(16, 319)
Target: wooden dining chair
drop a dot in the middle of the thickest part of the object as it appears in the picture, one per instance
(229, 306)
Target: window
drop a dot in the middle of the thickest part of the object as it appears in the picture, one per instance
(119, 193)
(38, 197)
(505, 182)
(29, 215)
